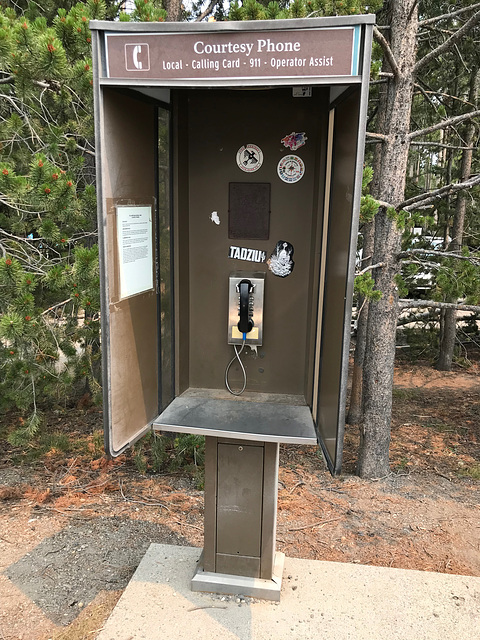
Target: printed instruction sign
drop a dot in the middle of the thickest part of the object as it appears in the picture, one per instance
(134, 238)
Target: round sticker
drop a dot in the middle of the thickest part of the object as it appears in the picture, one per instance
(249, 158)
(291, 169)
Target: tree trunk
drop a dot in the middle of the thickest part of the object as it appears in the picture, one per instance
(355, 411)
(373, 461)
(355, 407)
(174, 10)
(448, 328)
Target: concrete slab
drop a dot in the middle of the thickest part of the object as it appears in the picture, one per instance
(320, 600)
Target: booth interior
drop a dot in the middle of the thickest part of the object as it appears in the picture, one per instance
(177, 149)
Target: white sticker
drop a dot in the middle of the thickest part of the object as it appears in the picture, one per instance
(291, 169)
(281, 261)
(214, 217)
(302, 92)
(249, 158)
(242, 253)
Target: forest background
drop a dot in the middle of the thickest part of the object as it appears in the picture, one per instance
(419, 241)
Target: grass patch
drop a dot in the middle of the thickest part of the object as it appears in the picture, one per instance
(62, 435)
(45, 444)
(406, 394)
(58, 444)
(155, 453)
(91, 619)
(441, 427)
(472, 472)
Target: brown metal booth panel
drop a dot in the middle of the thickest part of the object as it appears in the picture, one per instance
(344, 164)
(181, 186)
(130, 346)
(240, 507)
(316, 244)
(261, 117)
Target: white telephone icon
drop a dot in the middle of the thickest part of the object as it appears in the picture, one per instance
(136, 52)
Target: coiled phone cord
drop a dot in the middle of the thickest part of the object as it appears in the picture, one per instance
(237, 357)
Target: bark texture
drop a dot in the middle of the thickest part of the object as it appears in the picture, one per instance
(174, 10)
(389, 187)
(355, 410)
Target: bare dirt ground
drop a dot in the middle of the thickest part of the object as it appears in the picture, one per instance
(73, 527)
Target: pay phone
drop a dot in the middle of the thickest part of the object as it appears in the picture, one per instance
(245, 317)
(245, 307)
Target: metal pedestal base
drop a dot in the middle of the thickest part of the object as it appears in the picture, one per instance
(240, 585)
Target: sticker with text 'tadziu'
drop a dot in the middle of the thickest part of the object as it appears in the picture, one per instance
(251, 255)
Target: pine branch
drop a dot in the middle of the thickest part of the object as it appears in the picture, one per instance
(43, 85)
(445, 95)
(419, 304)
(17, 207)
(442, 146)
(378, 136)
(442, 254)
(55, 306)
(444, 124)
(387, 51)
(90, 153)
(427, 97)
(423, 263)
(385, 205)
(448, 32)
(471, 22)
(369, 268)
(33, 258)
(20, 238)
(445, 16)
(425, 198)
(13, 102)
(207, 11)
(424, 317)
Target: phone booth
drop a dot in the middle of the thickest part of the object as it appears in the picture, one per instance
(229, 164)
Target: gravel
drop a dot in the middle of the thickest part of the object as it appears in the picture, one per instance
(66, 571)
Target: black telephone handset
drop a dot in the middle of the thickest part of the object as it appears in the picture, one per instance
(245, 318)
(245, 323)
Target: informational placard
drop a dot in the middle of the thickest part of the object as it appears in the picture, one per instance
(134, 238)
(307, 53)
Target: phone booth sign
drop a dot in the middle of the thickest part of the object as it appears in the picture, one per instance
(229, 168)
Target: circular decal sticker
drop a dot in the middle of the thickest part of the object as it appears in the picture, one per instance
(249, 158)
(291, 169)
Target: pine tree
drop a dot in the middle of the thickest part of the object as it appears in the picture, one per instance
(49, 282)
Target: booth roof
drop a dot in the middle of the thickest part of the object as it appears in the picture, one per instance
(246, 25)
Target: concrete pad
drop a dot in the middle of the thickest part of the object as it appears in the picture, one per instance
(320, 601)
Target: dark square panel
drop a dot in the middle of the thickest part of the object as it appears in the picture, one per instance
(249, 210)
